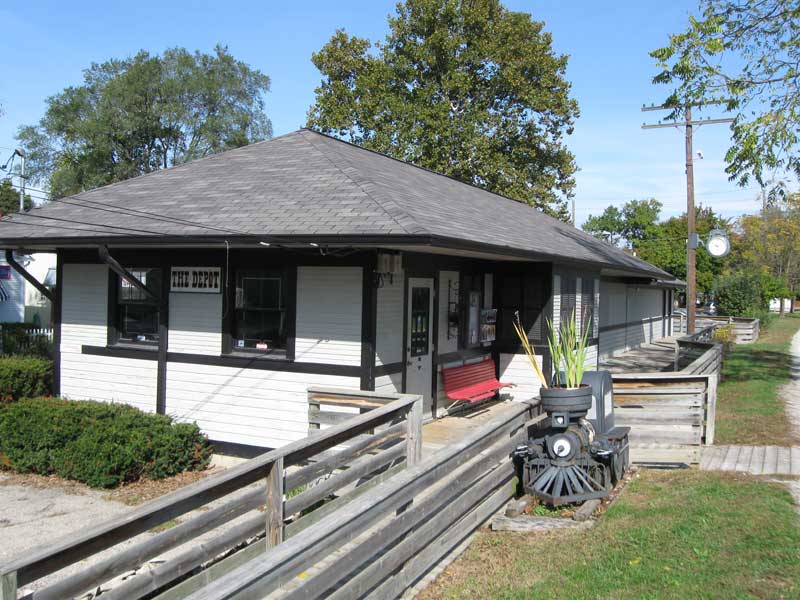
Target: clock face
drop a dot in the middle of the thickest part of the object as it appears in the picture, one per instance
(718, 246)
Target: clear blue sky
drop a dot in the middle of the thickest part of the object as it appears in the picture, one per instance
(45, 46)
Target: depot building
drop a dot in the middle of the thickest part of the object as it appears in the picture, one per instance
(218, 291)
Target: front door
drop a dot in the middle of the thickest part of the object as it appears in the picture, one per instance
(419, 340)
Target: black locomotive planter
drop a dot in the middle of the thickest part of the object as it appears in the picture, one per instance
(573, 461)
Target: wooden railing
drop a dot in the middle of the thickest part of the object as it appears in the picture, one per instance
(745, 330)
(278, 491)
(698, 353)
(381, 543)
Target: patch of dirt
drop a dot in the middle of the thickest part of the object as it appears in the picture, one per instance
(145, 490)
(130, 494)
(39, 482)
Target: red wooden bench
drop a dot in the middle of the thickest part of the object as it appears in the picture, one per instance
(473, 382)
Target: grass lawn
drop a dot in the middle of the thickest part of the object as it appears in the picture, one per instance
(749, 410)
(672, 534)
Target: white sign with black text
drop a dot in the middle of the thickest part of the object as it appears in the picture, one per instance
(201, 280)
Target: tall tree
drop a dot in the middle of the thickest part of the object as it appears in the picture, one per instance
(638, 220)
(463, 87)
(637, 227)
(744, 55)
(667, 249)
(770, 243)
(9, 198)
(145, 113)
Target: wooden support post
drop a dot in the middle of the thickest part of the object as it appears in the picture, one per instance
(8, 586)
(414, 434)
(274, 510)
(711, 408)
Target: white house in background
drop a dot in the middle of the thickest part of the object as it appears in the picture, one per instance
(12, 294)
(42, 266)
(219, 290)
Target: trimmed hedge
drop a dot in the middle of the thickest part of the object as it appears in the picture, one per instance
(17, 341)
(25, 377)
(100, 444)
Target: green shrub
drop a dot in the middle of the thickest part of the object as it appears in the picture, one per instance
(100, 444)
(17, 341)
(24, 377)
(741, 294)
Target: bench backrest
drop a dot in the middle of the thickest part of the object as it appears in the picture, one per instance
(460, 377)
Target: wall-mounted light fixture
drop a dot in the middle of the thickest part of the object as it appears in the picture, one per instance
(388, 265)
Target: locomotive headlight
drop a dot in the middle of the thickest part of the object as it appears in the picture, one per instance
(562, 447)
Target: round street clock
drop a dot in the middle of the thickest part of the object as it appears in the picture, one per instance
(718, 244)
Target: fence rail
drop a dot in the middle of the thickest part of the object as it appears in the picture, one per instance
(745, 330)
(19, 340)
(381, 543)
(285, 483)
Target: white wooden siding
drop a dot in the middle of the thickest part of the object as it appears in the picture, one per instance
(515, 368)
(195, 323)
(389, 384)
(84, 321)
(446, 279)
(639, 307)
(556, 303)
(245, 406)
(329, 315)
(389, 331)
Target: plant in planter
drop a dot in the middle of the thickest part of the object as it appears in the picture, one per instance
(568, 346)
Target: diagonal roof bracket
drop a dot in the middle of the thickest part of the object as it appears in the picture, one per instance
(43, 290)
(102, 252)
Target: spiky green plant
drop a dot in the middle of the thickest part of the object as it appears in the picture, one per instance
(568, 351)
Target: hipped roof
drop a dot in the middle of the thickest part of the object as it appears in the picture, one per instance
(306, 185)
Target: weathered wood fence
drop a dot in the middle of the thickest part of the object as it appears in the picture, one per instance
(672, 415)
(379, 544)
(272, 497)
(745, 330)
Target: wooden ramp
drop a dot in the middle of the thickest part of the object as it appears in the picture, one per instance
(757, 460)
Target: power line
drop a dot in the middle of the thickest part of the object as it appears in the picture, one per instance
(688, 123)
(31, 215)
(94, 205)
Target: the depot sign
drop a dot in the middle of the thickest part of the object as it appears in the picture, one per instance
(203, 280)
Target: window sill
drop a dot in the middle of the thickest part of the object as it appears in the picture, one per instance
(277, 356)
(147, 346)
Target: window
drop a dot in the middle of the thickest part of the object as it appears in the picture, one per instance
(138, 313)
(260, 321)
(527, 294)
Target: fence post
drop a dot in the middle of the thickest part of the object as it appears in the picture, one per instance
(414, 433)
(274, 508)
(711, 408)
(8, 586)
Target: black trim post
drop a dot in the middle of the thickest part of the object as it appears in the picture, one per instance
(369, 310)
(111, 310)
(435, 344)
(56, 318)
(27, 276)
(102, 253)
(163, 341)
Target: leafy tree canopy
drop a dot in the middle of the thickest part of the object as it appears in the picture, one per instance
(769, 243)
(9, 198)
(145, 113)
(745, 55)
(638, 220)
(638, 228)
(465, 88)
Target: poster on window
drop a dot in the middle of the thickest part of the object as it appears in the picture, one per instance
(200, 280)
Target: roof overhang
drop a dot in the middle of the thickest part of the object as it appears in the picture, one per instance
(408, 243)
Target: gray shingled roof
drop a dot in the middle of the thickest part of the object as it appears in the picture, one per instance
(301, 184)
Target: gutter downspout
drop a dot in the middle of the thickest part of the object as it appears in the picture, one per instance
(102, 252)
(28, 277)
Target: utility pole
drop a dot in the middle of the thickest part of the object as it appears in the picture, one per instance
(692, 238)
(21, 153)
